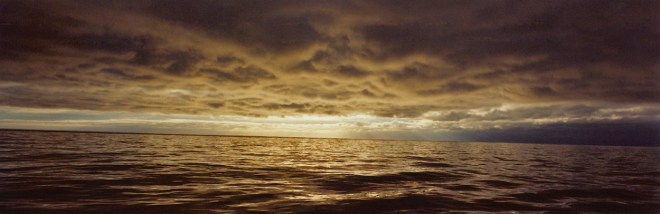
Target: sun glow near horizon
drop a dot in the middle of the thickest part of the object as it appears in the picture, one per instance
(87, 120)
(436, 125)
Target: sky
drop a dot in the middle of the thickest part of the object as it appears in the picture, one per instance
(578, 72)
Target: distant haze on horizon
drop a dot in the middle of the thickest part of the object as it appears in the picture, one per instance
(579, 72)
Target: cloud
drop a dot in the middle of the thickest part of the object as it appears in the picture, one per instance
(124, 75)
(30, 29)
(559, 31)
(227, 60)
(403, 111)
(351, 71)
(216, 104)
(250, 23)
(420, 72)
(310, 91)
(508, 116)
(440, 61)
(239, 74)
(451, 87)
(581, 38)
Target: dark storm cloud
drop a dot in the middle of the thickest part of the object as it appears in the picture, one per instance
(181, 61)
(252, 23)
(351, 71)
(127, 75)
(107, 41)
(306, 65)
(409, 111)
(295, 106)
(319, 58)
(452, 87)
(309, 108)
(367, 93)
(175, 62)
(31, 31)
(28, 29)
(239, 74)
(619, 31)
(253, 72)
(327, 92)
(216, 104)
(578, 35)
(227, 60)
(26, 96)
(419, 71)
(310, 91)
(346, 71)
(332, 60)
(328, 82)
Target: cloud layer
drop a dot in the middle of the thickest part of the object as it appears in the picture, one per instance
(463, 62)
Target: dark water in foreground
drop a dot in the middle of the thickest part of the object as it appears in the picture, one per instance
(93, 172)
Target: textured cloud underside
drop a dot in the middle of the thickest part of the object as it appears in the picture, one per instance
(432, 60)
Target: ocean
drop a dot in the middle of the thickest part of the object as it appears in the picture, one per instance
(72, 172)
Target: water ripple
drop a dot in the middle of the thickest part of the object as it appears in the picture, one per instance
(95, 172)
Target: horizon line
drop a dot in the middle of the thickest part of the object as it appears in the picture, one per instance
(336, 138)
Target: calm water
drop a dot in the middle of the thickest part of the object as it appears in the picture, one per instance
(94, 172)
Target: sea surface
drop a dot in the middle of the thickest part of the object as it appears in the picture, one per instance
(69, 172)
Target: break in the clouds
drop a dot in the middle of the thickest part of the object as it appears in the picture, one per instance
(468, 70)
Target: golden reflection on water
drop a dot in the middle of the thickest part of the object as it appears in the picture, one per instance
(144, 172)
